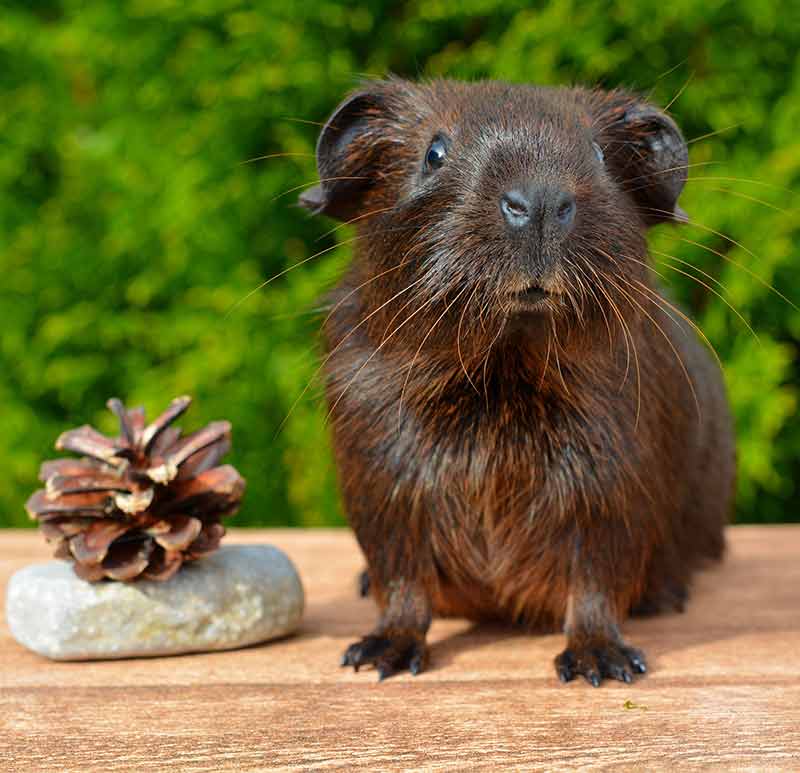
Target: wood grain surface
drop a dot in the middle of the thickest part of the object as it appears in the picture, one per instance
(723, 690)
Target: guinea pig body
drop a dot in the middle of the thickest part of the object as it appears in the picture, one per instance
(525, 428)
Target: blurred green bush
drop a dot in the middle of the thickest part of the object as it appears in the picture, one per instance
(132, 221)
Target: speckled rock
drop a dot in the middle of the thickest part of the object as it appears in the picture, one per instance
(240, 595)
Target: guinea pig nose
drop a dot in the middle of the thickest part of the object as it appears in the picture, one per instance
(565, 207)
(516, 208)
(541, 206)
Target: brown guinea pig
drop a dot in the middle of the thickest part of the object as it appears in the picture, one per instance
(525, 428)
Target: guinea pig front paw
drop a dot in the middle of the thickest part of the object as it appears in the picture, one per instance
(388, 652)
(597, 661)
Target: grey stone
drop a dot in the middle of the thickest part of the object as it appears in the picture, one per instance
(239, 595)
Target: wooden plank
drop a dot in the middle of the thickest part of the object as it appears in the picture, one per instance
(723, 692)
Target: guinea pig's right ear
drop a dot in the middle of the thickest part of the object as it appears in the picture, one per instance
(646, 152)
(347, 151)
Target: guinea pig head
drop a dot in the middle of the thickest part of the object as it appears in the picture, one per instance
(480, 204)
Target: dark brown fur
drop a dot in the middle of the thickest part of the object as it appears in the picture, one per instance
(557, 466)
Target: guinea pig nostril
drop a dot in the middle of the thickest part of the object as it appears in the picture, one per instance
(515, 208)
(565, 210)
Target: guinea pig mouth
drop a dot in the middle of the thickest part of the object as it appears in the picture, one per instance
(531, 297)
(533, 294)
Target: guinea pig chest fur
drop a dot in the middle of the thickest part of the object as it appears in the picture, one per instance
(525, 428)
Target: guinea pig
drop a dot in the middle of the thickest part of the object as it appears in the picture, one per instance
(525, 428)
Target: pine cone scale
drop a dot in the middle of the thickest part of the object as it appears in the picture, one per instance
(205, 459)
(212, 491)
(89, 572)
(40, 506)
(68, 468)
(208, 540)
(91, 545)
(183, 531)
(175, 409)
(125, 425)
(87, 440)
(126, 561)
(184, 449)
(57, 485)
(166, 439)
(134, 502)
(57, 528)
(136, 421)
(163, 565)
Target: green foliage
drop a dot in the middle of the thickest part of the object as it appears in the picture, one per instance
(133, 228)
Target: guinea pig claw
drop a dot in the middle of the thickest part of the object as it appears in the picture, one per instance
(610, 660)
(384, 672)
(388, 653)
(636, 659)
(363, 584)
(593, 678)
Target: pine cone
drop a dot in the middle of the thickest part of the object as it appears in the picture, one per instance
(141, 504)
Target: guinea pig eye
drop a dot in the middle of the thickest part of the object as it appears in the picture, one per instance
(437, 152)
(598, 151)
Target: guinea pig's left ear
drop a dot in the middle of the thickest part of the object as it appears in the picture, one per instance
(348, 150)
(646, 152)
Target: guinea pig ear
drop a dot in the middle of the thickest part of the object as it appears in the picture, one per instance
(646, 151)
(347, 149)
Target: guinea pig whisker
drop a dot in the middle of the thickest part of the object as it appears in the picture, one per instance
(555, 349)
(458, 338)
(695, 279)
(377, 349)
(658, 172)
(546, 363)
(314, 182)
(578, 279)
(419, 349)
(413, 299)
(356, 219)
(727, 258)
(672, 346)
(379, 308)
(573, 277)
(671, 307)
(680, 91)
(486, 363)
(483, 307)
(708, 135)
(630, 344)
(707, 286)
(303, 120)
(274, 155)
(597, 301)
(352, 292)
(298, 314)
(341, 342)
(657, 297)
(577, 307)
(741, 195)
(748, 180)
(587, 294)
(626, 331)
(620, 146)
(283, 273)
(664, 75)
(296, 265)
